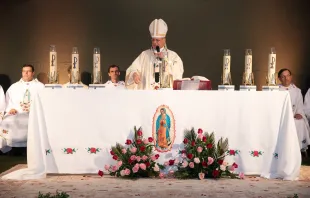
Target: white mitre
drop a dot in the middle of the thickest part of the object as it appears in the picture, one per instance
(158, 28)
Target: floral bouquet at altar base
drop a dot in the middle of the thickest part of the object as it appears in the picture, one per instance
(202, 157)
(134, 160)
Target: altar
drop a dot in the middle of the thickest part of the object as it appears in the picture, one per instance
(66, 124)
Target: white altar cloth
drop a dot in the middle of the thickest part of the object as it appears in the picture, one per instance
(259, 125)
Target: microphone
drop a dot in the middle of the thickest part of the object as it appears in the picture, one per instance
(158, 50)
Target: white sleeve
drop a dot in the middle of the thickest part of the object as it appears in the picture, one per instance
(134, 67)
(176, 67)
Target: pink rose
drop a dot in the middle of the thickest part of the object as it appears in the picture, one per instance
(133, 157)
(161, 175)
(210, 160)
(241, 175)
(144, 157)
(196, 160)
(223, 168)
(138, 158)
(231, 168)
(166, 163)
(127, 171)
(200, 136)
(153, 158)
(119, 163)
(133, 149)
(183, 155)
(142, 166)
(107, 167)
(201, 176)
(171, 172)
(191, 165)
(114, 168)
(184, 164)
(199, 149)
(176, 161)
(135, 169)
(145, 141)
(122, 173)
(124, 151)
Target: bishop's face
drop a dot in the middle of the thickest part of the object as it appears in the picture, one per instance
(161, 42)
(286, 78)
(27, 74)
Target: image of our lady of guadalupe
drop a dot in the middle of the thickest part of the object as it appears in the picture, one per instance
(163, 125)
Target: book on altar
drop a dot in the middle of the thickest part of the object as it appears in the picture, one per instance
(193, 83)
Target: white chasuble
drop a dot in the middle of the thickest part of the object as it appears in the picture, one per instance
(144, 66)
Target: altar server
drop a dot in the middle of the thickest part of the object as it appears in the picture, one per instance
(114, 82)
(140, 75)
(301, 122)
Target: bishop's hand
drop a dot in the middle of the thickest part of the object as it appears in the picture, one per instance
(136, 78)
(298, 116)
(13, 112)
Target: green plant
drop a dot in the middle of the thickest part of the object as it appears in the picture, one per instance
(58, 195)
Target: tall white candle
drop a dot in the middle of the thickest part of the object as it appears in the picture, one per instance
(96, 60)
(248, 62)
(226, 66)
(272, 62)
(75, 60)
(53, 60)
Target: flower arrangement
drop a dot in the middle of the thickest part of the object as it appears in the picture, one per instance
(202, 157)
(134, 160)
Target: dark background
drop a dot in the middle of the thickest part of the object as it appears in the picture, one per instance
(198, 30)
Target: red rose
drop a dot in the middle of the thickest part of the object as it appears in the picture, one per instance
(139, 141)
(200, 131)
(130, 161)
(193, 143)
(255, 153)
(157, 156)
(235, 165)
(112, 153)
(69, 150)
(204, 138)
(204, 164)
(171, 162)
(93, 150)
(142, 148)
(215, 173)
(232, 152)
(189, 156)
(183, 151)
(100, 173)
(139, 133)
(151, 139)
(115, 157)
(185, 141)
(147, 164)
(128, 142)
(209, 146)
(220, 162)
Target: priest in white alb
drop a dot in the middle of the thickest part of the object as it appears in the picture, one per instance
(301, 122)
(141, 73)
(307, 105)
(14, 126)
